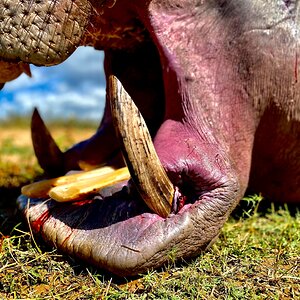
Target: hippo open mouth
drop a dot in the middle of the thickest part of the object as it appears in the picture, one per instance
(191, 72)
(131, 226)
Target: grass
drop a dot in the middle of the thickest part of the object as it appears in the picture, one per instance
(257, 255)
(23, 121)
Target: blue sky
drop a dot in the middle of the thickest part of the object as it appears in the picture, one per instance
(75, 88)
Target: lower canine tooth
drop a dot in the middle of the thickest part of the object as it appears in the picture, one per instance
(145, 167)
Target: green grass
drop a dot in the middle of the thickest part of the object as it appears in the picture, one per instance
(254, 258)
(257, 256)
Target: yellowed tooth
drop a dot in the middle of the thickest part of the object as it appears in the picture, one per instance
(146, 170)
(42, 188)
(81, 189)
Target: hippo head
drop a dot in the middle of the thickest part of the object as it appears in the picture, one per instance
(217, 84)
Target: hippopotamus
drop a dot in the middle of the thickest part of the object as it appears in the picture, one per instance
(203, 102)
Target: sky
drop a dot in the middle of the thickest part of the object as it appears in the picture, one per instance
(73, 89)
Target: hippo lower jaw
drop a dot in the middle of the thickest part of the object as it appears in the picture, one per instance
(115, 230)
(118, 232)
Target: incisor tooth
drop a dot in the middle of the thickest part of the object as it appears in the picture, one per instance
(81, 189)
(145, 168)
(42, 188)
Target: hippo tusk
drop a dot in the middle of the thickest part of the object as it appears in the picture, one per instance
(146, 170)
(48, 154)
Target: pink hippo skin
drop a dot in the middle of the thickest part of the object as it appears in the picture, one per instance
(217, 83)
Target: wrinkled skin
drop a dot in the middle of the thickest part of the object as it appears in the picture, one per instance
(217, 82)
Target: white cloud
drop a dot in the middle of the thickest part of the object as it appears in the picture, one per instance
(65, 105)
(22, 82)
(76, 88)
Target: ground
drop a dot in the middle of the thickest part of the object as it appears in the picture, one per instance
(257, 255)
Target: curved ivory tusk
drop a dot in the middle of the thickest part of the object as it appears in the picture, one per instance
(48, 154)
(143, 163)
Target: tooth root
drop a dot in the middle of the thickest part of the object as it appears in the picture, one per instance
(143, 163)
(48, 154)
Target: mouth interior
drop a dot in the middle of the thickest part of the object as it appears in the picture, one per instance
(184, 191)
(143, 74)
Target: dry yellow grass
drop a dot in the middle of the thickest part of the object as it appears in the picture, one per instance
(20, 137)
(13, 141)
